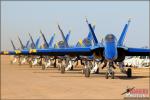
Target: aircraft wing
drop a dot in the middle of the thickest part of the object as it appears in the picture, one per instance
(137, 52)
(63, 51)
(7, 53)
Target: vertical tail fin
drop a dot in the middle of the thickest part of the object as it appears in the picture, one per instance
(51, 41)
(64, 39)
(68, 35)
(32, 44)
(37, 42)
(45, 42)
(123, 34)
(22, 46)
(79, 43)
(90, 37)
(27, 44)
(13, 45)
(93, 34)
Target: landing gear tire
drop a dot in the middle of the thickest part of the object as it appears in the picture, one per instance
(83, 71)
(43, 67)
(30, 64)
(107, 75)
(97, 71)
(129, 72)
(62, 69)
(19, 63)
(11, 62)
(55, 63)
(87, 72)
(58, 67)
(71, 67)
(112, 75)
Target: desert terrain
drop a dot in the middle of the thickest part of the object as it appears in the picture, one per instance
(23, 82)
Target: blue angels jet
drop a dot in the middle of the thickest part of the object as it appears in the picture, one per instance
(111, 51)
(59, 44)
(17, 50)
(86, 42)
(46, 45)
(26, 47)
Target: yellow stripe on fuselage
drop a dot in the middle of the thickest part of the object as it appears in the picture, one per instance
(17, 51)
(32, 51)
(5, 52)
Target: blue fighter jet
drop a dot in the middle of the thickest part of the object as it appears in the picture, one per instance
(111, 51)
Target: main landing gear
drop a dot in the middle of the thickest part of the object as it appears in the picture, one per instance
(87, 69)
(62, 66)
(110, 72)
(128, 72)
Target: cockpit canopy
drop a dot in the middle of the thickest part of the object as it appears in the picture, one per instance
(110, 38)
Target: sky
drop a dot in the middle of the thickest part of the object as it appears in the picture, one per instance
(18, 18)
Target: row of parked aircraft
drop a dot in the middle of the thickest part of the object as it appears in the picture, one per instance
(89, 51)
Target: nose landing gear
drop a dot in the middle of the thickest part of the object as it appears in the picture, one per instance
(110, 72)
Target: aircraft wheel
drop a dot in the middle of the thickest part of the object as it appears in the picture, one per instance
(19, 63)
(43, 67)
(55, 64)
(58, 67)
(71, 67)
(87, 72)
(11, 62)
(97, 71)
(62, 68)
(129, 72)
(112, 75)
(30, 64)
(83, 71)
(107, 75)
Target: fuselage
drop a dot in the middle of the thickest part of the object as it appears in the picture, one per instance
(110, 48)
